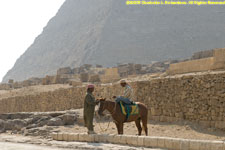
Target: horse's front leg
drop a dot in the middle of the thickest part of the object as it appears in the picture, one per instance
(117, 127)
(120, 128)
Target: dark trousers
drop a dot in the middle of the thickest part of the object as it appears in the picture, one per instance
(123, 99)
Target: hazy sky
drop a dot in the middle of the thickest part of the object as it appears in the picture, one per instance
(20, 22)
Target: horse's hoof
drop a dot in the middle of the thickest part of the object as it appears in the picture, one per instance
(138, 134)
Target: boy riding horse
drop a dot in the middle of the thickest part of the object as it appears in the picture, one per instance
(127, 95)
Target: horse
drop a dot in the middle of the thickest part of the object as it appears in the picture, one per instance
(119, 118)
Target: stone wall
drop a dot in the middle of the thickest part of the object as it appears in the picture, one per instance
(62, 99)
(216, 62)
(202, 54)
(110, 75)
(199, 98)
(197, 65)
(219, 61)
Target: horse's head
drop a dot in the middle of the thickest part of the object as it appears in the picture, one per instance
(101, 106)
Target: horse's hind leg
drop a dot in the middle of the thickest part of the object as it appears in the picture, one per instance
(138, 125)
(145, 125)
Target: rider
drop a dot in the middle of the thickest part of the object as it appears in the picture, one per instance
(127, 95)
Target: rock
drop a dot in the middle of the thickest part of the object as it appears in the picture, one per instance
(56, 114)
(20, 115)
(2, 126)
(68, 119)
(4, 116)
(15, 124)
(80, 121)
(43, 121)
(94, 78)
(66, 70)
(55, 122)
(32, 126)
(40, 131)
(29, 121)
(84, 77)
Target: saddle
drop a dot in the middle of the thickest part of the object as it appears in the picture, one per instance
(129, 109)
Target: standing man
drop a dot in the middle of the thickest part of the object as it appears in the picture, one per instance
(127, 95)
(89, 108)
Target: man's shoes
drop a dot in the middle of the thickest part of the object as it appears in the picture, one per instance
(92, 132)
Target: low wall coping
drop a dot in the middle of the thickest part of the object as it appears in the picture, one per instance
(142, 141)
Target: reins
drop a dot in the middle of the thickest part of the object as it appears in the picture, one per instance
(99, 124)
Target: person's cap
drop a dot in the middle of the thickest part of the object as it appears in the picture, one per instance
(90, 86)
(123, 81)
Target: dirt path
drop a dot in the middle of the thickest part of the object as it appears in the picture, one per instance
(16, 146)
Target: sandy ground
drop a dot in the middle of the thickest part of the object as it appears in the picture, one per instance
(16, 146)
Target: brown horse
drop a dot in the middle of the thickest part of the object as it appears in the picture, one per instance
(119, 118)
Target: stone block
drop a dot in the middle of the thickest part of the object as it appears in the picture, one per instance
(54, 136)
(195, 145)
(161, 142)
(123, 140)
(75, 137)
(156, 112)
(128, 139)
(60, 137)
(204, 145)
(220, 124)
(168, 143)
(97, 138)
(83, 137)
(151, 142)
(223, 146)
(103, 138)
(94, 78)
(185, 144)
(176, 144)
(117, 139)
(65, 136)
(111, 138)
(163, 119)
(90, 138)
(133, 140)
(140, 141)
(65, 70)
(84, 77)
(70, 137)
(216, 145)
(155, 118)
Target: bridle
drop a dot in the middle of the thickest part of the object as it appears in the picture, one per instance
(114, 110)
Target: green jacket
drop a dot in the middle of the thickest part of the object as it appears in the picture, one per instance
(89, 104)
